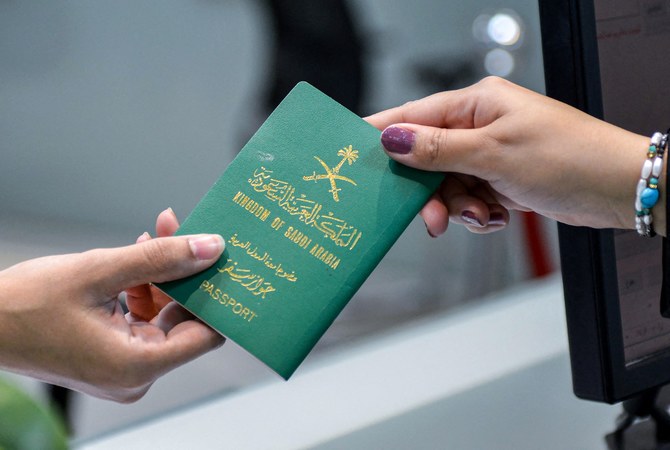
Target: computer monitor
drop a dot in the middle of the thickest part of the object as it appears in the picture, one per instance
(609, 58)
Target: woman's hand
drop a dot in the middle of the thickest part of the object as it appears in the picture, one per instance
(61, 320)
(144, 302)
(504, 147)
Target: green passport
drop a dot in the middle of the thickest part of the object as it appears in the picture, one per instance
(308, 209)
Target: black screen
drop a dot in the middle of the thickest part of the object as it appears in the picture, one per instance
(600, 56)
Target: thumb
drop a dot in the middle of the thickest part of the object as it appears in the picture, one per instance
(156, 260)
(435, 149)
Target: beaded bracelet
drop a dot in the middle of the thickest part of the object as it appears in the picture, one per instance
(647, 186)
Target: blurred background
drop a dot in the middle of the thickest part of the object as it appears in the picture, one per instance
(112, 111)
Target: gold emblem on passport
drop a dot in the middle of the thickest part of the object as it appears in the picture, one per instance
(349, 155)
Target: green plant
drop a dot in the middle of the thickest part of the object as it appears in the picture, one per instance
(24, 424)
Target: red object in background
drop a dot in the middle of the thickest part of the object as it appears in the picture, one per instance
(536, 243)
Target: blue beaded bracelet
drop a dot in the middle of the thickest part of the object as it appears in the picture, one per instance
(647, 193)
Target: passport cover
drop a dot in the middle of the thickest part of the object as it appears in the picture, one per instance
(308, 209)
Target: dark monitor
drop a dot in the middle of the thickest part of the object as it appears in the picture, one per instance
(609, 58)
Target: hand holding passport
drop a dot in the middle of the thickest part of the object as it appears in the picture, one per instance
(308, 209)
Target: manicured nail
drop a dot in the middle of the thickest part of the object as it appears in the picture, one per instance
(398, 140)
(143, 237)
(207, 247)
(471, 218)
(497, 220)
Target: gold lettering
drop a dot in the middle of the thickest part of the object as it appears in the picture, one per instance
(263, 257)
(325, 256)
(207, 287)
(277, 223)
(297, 237)
(308, 211)
(251, 206)
(316, 250)
(227, 301)
(254, 283)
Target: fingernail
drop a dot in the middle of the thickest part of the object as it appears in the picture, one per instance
(497, 219)
(429, 233)
(207, 247)
(471, 218)
(398, 140)
(171, 212)
(143, 237)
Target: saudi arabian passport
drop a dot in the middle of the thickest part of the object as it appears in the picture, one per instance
(308, 209)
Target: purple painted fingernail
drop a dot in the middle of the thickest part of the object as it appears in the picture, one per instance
(497, 219)
(398, 140)
(471, 218)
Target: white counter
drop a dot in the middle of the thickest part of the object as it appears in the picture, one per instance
(391, 376)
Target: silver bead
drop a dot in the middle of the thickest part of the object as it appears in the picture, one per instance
(656, 138)
(658, 167)
(646, 169)
(648, 219)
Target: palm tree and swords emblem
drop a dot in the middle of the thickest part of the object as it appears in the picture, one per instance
(349, 155)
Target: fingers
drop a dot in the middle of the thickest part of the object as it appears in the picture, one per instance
(471, 203)
(173, 315)
(435, 215)
(145, 301)
(155, 260)
(139, 300)
(427, 111)
(166, 223)
(148, 350)
(464, 206)
(438, 149)
(186, 341)
(472, 107)
(187, 337)
(466, 201)
(450, 131)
